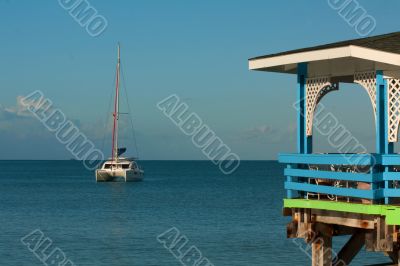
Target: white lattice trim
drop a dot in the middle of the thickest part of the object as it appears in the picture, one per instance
(316, 88)
(393, 99)
(367, 80)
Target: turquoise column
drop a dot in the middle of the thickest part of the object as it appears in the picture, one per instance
(380, 113)
(289, 192)
(303, 143)
(383, 146)
(389, 148)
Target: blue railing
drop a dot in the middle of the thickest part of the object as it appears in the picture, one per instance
(343, 177)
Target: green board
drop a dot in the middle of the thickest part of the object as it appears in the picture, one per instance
(392, 213)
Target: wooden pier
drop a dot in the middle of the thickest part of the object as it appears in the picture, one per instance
(346, 193)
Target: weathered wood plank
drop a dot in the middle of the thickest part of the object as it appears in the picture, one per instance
(350, 222)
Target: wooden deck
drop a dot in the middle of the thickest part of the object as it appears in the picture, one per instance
(374, 226)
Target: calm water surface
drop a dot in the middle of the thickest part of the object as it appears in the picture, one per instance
(232, 220)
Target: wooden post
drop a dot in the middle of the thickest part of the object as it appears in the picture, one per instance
(322, 245)
(322, 251)
(395, 256)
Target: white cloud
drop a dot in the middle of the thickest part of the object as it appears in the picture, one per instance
(20, 109)
(18, 122)
(257, 132)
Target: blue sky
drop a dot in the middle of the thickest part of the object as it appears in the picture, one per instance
(195, 49)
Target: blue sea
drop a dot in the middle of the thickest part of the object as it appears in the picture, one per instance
(231, 219)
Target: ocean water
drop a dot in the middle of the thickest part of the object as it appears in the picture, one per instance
(232, 219)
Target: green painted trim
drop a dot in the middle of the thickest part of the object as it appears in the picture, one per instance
(392, 213)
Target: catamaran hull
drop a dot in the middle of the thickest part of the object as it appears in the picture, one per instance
(119, 175)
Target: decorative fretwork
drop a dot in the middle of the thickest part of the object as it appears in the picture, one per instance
(325, 90)
(368, 81)
(393, 97)
(316, 89)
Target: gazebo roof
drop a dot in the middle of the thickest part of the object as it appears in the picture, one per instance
(344, 58)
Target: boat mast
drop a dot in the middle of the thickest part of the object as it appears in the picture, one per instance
(116, 112)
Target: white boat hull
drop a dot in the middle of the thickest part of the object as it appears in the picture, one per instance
(119, 175)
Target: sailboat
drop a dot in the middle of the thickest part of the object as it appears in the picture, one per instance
(117, 168)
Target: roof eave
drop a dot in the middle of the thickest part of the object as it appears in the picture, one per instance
(288, 63)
